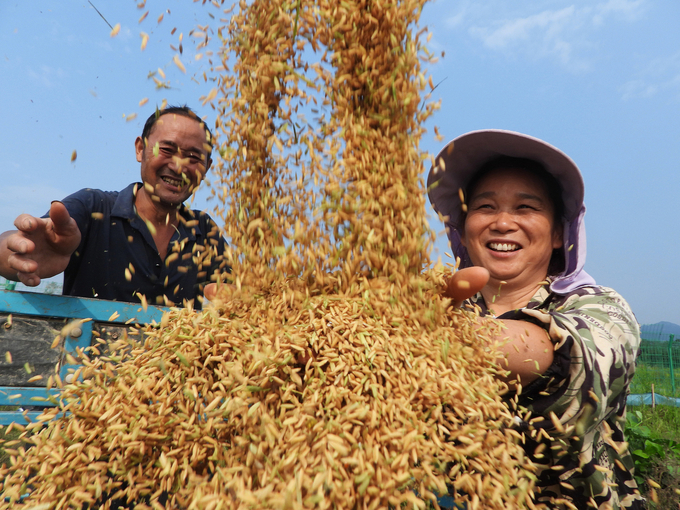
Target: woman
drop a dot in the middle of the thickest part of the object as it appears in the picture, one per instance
(514, 210)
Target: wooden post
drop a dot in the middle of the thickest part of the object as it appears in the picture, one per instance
(653, 399)
(670, 362)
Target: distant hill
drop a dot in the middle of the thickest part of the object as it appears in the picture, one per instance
(660, 331)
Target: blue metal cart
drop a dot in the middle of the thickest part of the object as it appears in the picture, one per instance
(29, 323)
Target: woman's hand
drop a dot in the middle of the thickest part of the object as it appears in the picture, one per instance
(465, 283)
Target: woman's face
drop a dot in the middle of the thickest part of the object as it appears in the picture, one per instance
(509, 228)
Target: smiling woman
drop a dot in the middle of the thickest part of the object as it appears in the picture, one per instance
(514, 211)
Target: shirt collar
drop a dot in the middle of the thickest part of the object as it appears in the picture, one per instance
(124, 207)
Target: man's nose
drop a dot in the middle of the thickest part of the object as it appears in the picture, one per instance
(178, 164)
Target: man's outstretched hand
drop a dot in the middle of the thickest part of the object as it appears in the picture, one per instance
(465, 283)
(210, 291)
(41, 247)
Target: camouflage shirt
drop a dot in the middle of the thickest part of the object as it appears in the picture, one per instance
(574, 431)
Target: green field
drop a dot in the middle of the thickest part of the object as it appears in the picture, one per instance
(653, 435)
(659, 376)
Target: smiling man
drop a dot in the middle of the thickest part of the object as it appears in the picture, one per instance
(138, 241)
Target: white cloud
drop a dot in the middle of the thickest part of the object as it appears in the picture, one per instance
(457, 19)
(564, 32)
(630, 9)
(521, 30)
(638, 88)
(46, 75)
(547, 34)
(661, 75)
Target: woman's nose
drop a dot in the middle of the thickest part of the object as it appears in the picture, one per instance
(503, 222)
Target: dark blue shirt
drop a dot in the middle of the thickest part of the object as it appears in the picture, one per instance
(117, 258)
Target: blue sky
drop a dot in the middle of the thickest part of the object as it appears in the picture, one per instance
(598, 79)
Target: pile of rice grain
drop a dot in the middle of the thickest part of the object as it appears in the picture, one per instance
(331, 374)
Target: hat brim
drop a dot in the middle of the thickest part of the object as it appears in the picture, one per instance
(457, 163)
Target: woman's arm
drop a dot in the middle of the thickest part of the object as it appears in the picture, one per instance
(526, 348)
(586, 342)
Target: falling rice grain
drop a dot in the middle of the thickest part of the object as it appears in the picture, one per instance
(179, 64)
(330, 373)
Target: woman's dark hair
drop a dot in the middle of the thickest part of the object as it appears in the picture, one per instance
(551, 184)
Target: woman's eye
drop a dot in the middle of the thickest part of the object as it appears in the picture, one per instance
(483, 206)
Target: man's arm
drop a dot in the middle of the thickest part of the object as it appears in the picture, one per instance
(40, 248)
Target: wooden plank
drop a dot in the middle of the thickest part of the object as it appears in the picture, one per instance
(7, 417)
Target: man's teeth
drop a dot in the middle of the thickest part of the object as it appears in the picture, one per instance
(504, 246)
(172, 182)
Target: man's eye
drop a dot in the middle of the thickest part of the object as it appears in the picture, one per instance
(168, 151)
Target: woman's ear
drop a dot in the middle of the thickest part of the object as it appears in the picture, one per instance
(461, 234)
(558, 236)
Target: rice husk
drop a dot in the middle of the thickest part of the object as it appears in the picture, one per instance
(330, 373)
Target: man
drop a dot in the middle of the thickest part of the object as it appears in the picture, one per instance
(141, 241)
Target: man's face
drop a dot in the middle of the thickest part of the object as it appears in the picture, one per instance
(174, 159)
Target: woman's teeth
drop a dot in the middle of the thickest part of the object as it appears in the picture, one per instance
(504, 246)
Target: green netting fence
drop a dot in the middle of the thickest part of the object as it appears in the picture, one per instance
(7, 285)
(658, 366)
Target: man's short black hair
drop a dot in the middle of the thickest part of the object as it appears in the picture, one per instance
(182, 110)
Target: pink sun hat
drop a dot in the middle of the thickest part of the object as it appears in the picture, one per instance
(462, 157)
